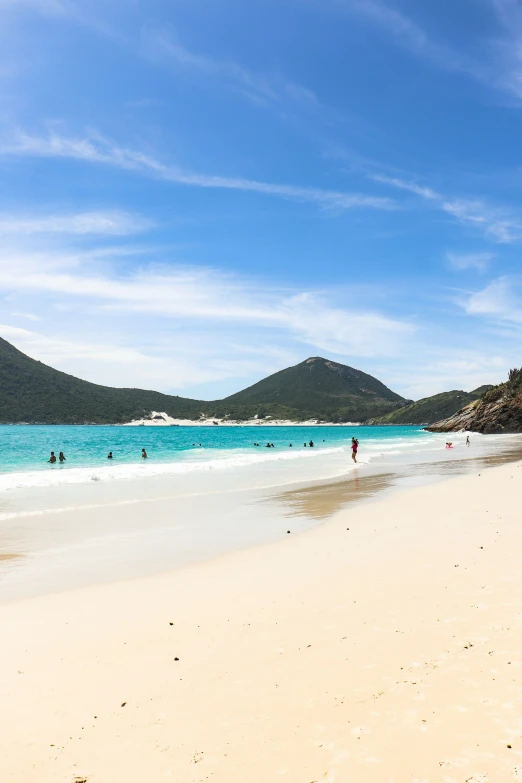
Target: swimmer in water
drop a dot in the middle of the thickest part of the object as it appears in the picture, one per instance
(143, 454)
(109, 455)
(311, 444)
(52, 458)
(61, 456)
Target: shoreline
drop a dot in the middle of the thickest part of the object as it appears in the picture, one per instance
(386, 651)
(101, 532)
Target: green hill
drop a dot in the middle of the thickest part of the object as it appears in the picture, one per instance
(319, 388)
(432, 409)
(316, 388)
(33, 392)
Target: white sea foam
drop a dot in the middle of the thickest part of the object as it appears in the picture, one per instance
(58, 476)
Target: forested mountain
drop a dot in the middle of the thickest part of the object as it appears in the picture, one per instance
(33, 392)
(320, 388)
(316, 388)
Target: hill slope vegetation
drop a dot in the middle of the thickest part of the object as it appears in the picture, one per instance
(432, 409)
(316, 388)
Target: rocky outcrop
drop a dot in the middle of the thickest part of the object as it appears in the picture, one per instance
(499, 410)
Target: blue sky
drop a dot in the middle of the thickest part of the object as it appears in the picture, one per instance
(196, 193)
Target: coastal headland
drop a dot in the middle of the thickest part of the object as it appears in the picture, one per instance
(383, 645)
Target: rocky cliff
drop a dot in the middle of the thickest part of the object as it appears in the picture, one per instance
(499, 410)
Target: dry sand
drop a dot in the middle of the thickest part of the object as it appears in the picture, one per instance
(387, 653)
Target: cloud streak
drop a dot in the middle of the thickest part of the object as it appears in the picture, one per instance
(499, 64)
(408, 34)
(102, 152)
(160, 46)
(498, 224)
(463, 261)
(111, 223)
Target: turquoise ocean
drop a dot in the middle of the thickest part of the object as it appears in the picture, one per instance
(182, 450)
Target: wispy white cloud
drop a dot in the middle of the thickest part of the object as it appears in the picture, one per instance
(194, 296)
(495, 63)
(115, 223)
(462, 261)
(98, 150)
(57, 348)
(499, 300)
(160, 45)
(497, 223)
(408, 34)
(27, 316)
(505, 51)
(47, 7)
(411, 187)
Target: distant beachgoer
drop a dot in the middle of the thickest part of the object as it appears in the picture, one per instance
(109, 455)
(311, 444)
(61, 456)
(52, 458)
(467, 440)
(268, 446)
(272, 445)
(290, 445)
(305, 445)
(143, 454)
(355, 446)
(449, 445)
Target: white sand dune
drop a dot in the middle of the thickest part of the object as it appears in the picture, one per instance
(389, 652)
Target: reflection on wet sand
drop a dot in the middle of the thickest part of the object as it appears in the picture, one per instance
(9, 557)
(322, 500)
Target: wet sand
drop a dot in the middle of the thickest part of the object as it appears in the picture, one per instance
(325, 498)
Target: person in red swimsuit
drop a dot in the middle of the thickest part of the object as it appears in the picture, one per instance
(355, 446)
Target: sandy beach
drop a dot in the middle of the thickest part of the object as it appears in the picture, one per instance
(383, 646)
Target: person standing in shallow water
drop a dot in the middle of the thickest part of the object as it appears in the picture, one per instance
(61, 456)
(355, 446)
(52, 458)
(143, 454)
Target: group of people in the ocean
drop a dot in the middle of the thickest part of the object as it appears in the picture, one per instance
(61, 457)
(52, 458)
(290, 445)
(355, 445)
